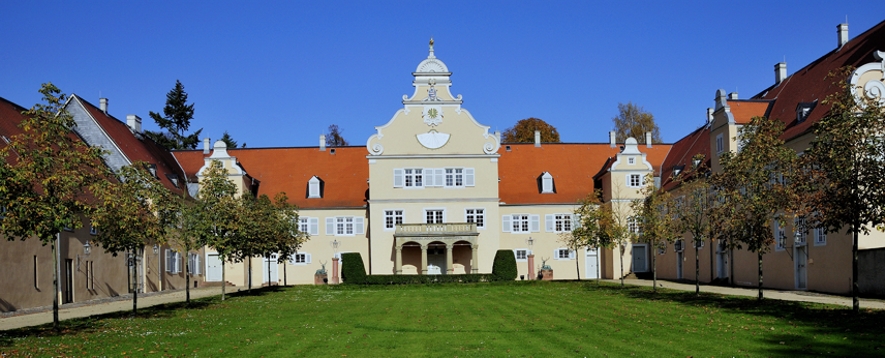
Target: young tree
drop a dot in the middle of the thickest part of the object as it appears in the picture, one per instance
(46, 177)
(184, 231)
(130, 214)
(752, 184)
(633, 121)
(227, 139)
(334, 138)
(694, 210)
(176, 121)
(289, 238)
(588, 232)
(217, 225)
(657, 227)
(847, 169)
(524, 132)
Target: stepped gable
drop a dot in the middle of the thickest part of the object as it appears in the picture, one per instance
(572, 165)
(344, 174)
(682, 154)
(812, 82)
(138, 147)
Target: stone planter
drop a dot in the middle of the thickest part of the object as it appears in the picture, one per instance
(320, 279)
(546, 275)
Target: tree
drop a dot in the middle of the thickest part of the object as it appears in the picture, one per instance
(334, 138)
(289, 236)
(633, 121)
(184, 231)
(588, 231)
(847, 169)
(176, 121)
(231, 143)
(131, 213)
(47, 176)
(694, 209)
(524, 132)
(752, 183)
(217, 225)
(573, 243)
(656, 225)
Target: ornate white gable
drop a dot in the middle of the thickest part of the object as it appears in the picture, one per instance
(868, 81)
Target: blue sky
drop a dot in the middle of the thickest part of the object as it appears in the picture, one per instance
(277, 74)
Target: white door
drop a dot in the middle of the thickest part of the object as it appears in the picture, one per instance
(271, 267)
(801, 273)
(721, 260)
(640, 258)
(679, 258)
(591, 263)
(213, 268)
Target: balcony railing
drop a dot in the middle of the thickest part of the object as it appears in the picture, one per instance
(435, 229)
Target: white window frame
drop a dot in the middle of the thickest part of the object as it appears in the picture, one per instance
(780, 236)
(436, 218)
(344, 226)
(338, 225)
(568, 254)
(299, 259)
(521, 223)
(630, 178)
(521, 252)
(413, 178)
(800, 238)
(633, 225)
(193, 264)
(546, 183)
(173, 261)
(720, 144)
(631, 160)
(820, 236)
(309, 225)
(313, 188)
(477, 215)
(395, 217)
(454, 178)
(559, 222)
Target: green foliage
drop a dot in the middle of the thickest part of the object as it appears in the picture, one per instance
(353, 270)
(524, 132)
(334, 138)
(633, 121)
(426, 279)
(654, 215)
(176, 121)
(227, 139)
(504, 266)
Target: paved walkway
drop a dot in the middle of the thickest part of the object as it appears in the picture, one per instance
(117, 304)
(767, 293)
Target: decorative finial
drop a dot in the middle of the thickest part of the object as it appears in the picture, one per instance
(431, 49)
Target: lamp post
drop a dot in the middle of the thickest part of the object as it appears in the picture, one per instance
(159, 269)
(531, 258)
(335, 244)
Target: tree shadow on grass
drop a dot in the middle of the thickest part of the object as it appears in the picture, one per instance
(93, 323)
(821, 329)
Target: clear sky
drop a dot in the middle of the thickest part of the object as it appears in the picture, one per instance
(278, 73)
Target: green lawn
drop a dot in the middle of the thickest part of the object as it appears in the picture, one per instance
(521, 319)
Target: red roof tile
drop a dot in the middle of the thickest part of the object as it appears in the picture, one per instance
(682, 153)
(744, 110)
(10, 117)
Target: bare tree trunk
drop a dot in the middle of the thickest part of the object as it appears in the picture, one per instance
(268, 271)
(760, 274)
(250, 274)
(285, 280)
(697, 267)
(223, 277)
(855, 289)
(577, 265)
(654, 272)
(187, 279)
(712, 247)
(55, 283)
(731, 264)
(134, 269)
(621, 251)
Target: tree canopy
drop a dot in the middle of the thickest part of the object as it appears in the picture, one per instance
(334, 138)
(175, 121)
(524, 132)
(633, 121)
(227, 139)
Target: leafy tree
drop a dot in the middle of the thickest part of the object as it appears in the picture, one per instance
(752, 184)
(573, 243)
(47, 176)
(694, 210)
(184, 231)
(657, 227)
(615, 226)
(217, 225)
(524, 132)
(176, 121)
(334, 138)
(288, 236)
(589, 231)
(130, 214)
(847, 169)
(231, 143)
(633, 121)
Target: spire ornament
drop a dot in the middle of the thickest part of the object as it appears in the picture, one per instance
(431, 55)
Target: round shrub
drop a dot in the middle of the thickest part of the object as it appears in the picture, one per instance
(352, 268)
(504, 267)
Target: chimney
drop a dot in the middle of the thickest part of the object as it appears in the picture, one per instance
(322, 142)
(780, 72)
(842, 31)
(648, 139)
(733, 95)
(103, 105)
(134, 123)
(498, 135)
(206, 146)
(611, 138)
(537, 138)
(709, 115)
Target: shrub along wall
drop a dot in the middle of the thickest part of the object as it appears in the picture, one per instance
(504, 266)
(426, 279)
(352, 268)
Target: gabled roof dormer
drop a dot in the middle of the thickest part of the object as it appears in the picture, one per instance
(547, 186)
(314, 188)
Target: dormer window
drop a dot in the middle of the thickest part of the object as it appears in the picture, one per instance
(631, 160)
(313, 188)
(677, 170)
(803, 110)
(173, 178)
(152, 168)
(546, 183)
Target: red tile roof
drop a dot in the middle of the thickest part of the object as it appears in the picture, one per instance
(138, 149)
(812, 82)
(744, 110)
(573, 167)
(10, 117)
(682, 153)
(344, 173)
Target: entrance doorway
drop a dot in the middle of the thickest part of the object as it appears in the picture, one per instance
(68, 283)
(271, 268)
(640, 257)
(213, 268)
(801, 260)
(721, 260)
(591, 263)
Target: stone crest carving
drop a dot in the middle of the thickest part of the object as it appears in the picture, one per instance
(868, 81)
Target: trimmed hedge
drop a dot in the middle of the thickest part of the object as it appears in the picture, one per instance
(352, 268)
(504, 267)
(426, 279)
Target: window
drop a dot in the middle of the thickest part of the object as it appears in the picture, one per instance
(631, 160)
(559, 222)
(633, 225)
(344, 225)
(434, 216)
(414, 178)
(820, 236)
(433, 177)
(392, 218)
(564, 254)
(476, 216)
(720, 145)
(780, 237)
(193, 264)
(309, 225)
(454, 177)
(313, 188)
(521, 223)
(546, 183)
(800, 231)
(521, 254)
(93, 230)
(173, 261)
(300, 258)
(699, 244)
(678, 245)
(634, 180)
